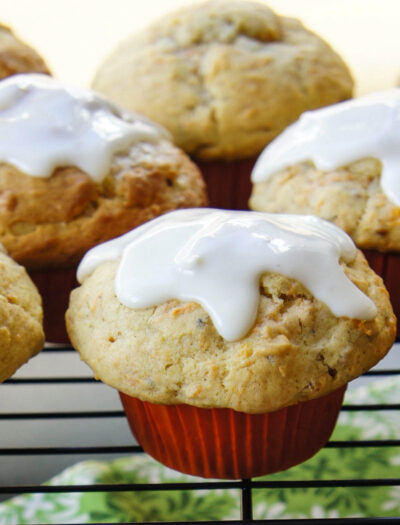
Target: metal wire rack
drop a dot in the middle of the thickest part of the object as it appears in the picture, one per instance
(245, 487)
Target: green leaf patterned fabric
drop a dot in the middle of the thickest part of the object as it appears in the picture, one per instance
(224, 504)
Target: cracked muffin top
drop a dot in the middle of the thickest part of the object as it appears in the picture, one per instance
(80, 171)
(295, 314)
(18, 57)
(21, 330)
(224, 77)
(341, 163)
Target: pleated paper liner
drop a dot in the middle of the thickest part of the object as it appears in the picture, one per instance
(228, 182)
(387, 265)
(224, 444)
(55, 287)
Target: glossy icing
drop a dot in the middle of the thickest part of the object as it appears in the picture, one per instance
(337, 135)
(216, 258)
(45, 124)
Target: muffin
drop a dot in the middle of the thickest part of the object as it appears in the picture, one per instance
(21, 317)
(77, 172)
(228, 343)
(342, 163)
(18, 57)
(225, 78)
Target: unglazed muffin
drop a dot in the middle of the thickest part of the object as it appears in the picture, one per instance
(18, 57)
(21, 318)
(222, 329)
(342, 163)
(225, 78)
(77, 172)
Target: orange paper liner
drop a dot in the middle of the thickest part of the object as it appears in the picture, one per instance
(55, 287)
(228, 183)
(387, 265)
(224, 444)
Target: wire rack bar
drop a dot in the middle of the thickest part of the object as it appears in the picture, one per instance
(333, 521)
(120, 413)
(90, 379)
(328, 521)
(136, 449)
(63, 415)
(58, 451)
(393, 372)
(58, 348)
(201, 485)
(49, 380)
(246, 500)
(364, 443)
(374, 407)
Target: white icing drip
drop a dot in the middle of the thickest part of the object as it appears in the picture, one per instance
(216, 258)
(340, 134)
(45, 124)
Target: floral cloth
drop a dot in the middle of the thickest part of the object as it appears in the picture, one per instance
(224, 504)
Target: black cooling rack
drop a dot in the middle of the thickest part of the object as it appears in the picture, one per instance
(245, 487)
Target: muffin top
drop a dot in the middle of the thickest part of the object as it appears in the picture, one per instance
(341, 163)
(75, 170)
(229, 309)
(224, 77)
(21, 330)
(18, 57)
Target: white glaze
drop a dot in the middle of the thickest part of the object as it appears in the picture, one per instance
(337, 135)
(45, 124)
(216, 258)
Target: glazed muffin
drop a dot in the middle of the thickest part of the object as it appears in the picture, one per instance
(202, 347)
(225, 78)
(77, 172)
(21, 317)
(18, 57)
(342, 163)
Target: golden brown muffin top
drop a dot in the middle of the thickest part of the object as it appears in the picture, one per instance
(172, 353)
(224, 77)
(18, 57)
(350, 196)
(341, 163)
(21, 330)
(76, 170)
(52, 222)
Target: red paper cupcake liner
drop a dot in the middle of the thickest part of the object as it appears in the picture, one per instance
(228, 183)
(224, 444)
(387, 265)
(55, 287)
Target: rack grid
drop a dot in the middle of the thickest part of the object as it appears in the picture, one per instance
(245, 487)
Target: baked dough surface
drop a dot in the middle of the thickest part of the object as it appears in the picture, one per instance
(21, 331)
(296, 350)
(52, 222)
(18, 57)
(350, 196)
(224, 77)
